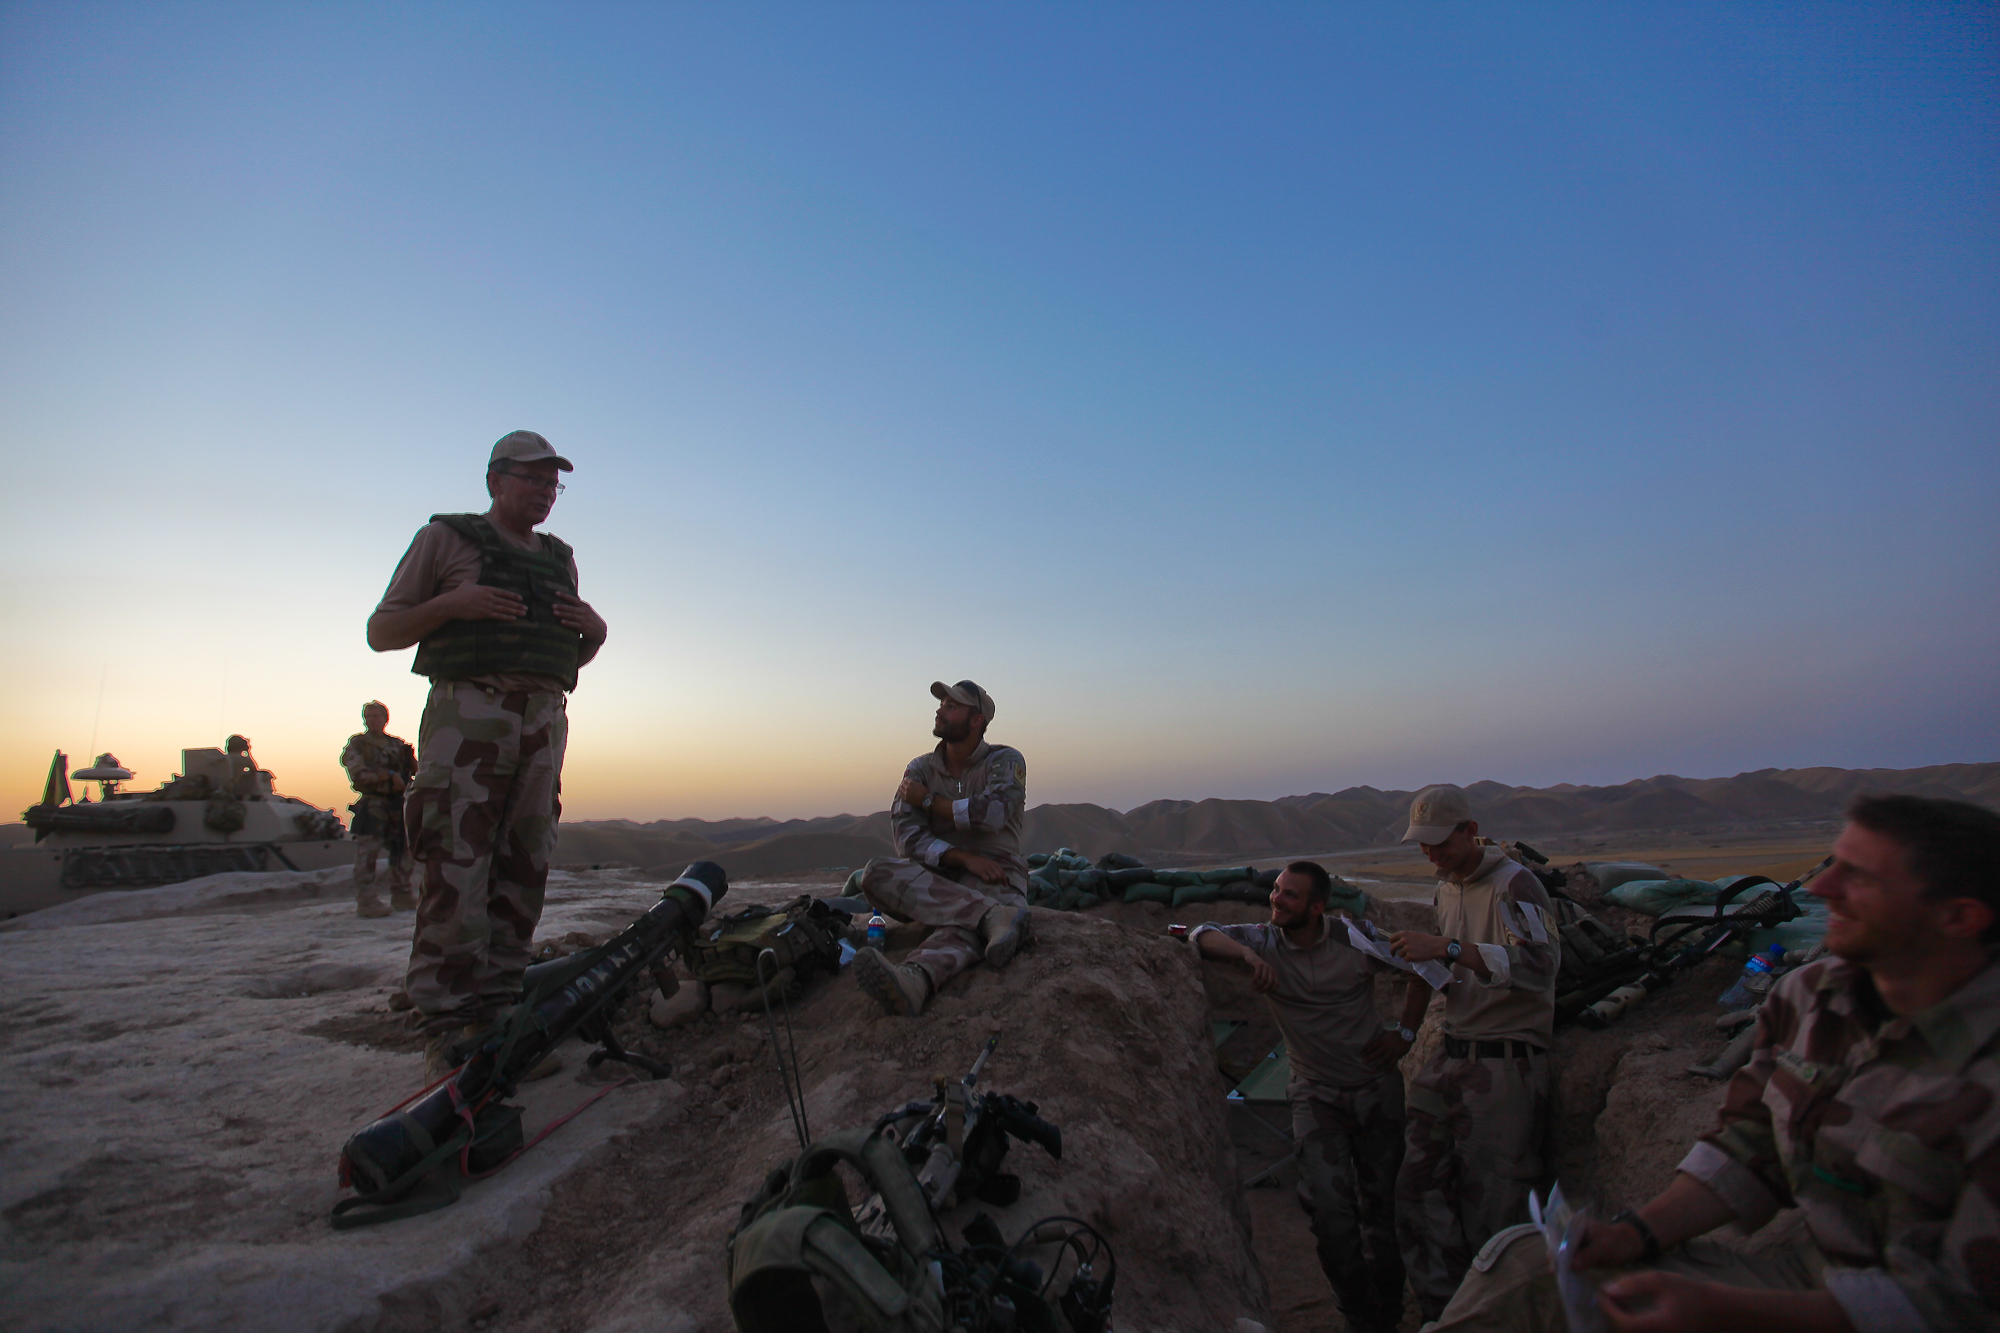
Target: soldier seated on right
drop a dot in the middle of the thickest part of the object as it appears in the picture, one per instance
(957, 822)
(1871, 1103)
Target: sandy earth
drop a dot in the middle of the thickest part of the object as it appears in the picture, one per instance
(182, 1064)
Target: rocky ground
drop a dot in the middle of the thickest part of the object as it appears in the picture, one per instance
(181, 1066)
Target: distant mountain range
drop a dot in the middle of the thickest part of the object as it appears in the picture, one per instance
(1206, 832)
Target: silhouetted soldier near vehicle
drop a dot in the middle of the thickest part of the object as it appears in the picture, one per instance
(379, 768)
(500, 631)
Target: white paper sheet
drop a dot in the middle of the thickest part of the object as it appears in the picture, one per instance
(1376, 945)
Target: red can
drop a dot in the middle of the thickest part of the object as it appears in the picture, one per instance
(1179, 932)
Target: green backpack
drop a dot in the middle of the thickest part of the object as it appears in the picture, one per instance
(796, 1246)
(804, 935)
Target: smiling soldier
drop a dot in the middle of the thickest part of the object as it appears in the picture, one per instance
(1346, 1092)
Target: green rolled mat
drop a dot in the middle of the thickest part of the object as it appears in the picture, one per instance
(1227, 876)
(1354, 902)
(1149, 893)
(1178, 879)
(1036, 860)
(1119, 861)
(1269, 878)
(852, 889)
(1127, 876)
(1086, 901)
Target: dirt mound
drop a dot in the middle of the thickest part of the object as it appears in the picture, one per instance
(1105, 1028)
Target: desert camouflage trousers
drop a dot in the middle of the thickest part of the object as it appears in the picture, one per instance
(369, 852)
(1350, 1142)
(481, 816)
(912, 891)
(1477, 1133)
(1510, 1289)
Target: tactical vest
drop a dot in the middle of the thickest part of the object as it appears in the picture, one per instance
(537, 644)
(797, 1239)
(803, 935)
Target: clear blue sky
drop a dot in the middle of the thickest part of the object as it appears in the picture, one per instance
(1256, 399)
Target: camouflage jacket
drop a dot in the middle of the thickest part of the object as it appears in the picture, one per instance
(1885, 1131)
(371, 761)
(986, 805)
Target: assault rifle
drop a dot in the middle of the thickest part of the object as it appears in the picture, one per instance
(1679, 939)
(463, 1116)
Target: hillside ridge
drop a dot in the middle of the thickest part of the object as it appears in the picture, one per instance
(1223, 828)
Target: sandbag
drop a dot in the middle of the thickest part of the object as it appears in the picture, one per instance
(1119, 861)
(1126, 876)
(1149, 893)
(1610, 874)
(1227, 876)
(1196, 893)
(1086, 901)
(1177, 878)
(1245, 891)
(1268, 879)
(1654, 896)
(1036, 860)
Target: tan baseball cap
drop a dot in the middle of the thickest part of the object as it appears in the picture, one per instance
(965, 692)
(524, 446)
(1435, 813)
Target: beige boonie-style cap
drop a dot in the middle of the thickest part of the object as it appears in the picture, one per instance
(1435, 813)
(524, 446)
(965, 692)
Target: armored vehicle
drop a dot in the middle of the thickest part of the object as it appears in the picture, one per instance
(219, 813)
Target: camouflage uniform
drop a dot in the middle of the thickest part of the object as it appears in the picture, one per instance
(482, 820)
(987, 801)
(1480, 1113)
(1883, 1131)
(372, 763)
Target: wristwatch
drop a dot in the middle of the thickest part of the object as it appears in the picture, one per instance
(1409, 1037)
(1651, 1253)
(1452, 950)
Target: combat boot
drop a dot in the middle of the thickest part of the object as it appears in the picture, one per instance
(371, 906)
(402, 900)
(1004, 929)
(440, 1056)
(899, 989)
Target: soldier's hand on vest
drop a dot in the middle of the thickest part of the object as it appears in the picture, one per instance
(912, 792)
(576, 614)
(476, 601)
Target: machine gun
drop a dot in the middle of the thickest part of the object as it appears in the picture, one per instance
(956, 1141)
(1679, 940)
(955, 1145)
(463, 1116)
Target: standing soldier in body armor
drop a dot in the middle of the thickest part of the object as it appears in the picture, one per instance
(492, 607)
(379, 768)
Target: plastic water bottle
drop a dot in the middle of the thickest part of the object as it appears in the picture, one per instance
(1751, 987)
(878, 930)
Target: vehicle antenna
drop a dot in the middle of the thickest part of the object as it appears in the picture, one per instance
(98, 716)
